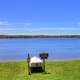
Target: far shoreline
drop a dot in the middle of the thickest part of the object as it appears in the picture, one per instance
(39, 36)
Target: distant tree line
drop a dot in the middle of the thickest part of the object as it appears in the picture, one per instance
(39, 36)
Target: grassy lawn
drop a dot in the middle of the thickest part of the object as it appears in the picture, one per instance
(65, 70)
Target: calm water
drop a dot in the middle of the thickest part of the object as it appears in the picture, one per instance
(58, 48)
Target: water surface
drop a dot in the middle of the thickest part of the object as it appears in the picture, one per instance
(58, 48)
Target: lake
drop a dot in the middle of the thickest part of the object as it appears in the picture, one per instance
(58, 48)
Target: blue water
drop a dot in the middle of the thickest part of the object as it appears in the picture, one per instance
(58, 48)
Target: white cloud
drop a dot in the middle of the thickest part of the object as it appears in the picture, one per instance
(59, 28)
(22, 27)
(4, 23)
(39, 29)
(7, 29)
(27, 24)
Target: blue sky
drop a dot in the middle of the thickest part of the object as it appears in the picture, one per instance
(40, 17)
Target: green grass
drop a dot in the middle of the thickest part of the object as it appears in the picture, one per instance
(65, 70)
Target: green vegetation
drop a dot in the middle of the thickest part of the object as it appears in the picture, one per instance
(39, 36)
(64, 70)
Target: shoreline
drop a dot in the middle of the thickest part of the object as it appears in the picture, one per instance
(39, 36)
(48, 60)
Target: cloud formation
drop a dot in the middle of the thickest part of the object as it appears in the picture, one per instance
(27, 24)
(11, 28)
(39, 29)
(4, 23)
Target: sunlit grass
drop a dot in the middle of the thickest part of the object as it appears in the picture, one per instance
(65, 70)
